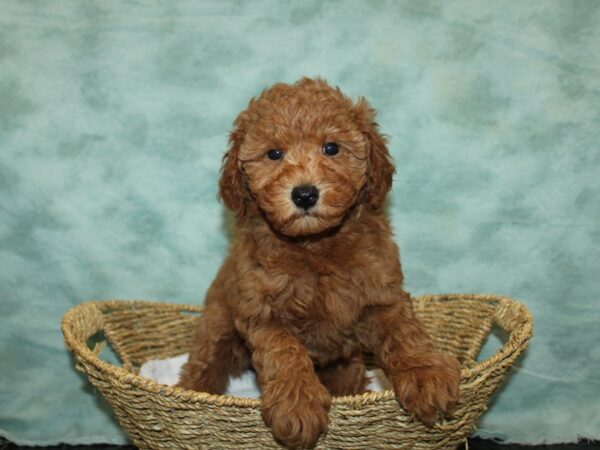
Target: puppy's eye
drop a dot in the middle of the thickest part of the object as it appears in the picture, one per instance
(275, 154)
(331, 148)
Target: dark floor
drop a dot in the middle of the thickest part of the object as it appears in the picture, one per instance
(474, 444)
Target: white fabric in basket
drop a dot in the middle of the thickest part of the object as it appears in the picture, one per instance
(166, 371)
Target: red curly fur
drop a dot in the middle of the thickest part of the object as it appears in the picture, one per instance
(303, 294)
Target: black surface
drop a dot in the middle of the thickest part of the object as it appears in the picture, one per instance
(474, 444)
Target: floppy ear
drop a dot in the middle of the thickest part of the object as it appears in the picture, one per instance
(232, 189)
(381, 169)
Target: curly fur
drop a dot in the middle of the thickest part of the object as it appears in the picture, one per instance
(303, 294)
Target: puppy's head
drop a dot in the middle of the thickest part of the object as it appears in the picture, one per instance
(306, 155)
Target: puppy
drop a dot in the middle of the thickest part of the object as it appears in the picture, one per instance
(313, 279)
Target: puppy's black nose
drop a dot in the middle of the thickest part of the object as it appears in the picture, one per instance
(305, 196)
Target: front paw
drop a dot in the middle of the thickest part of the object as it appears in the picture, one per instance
(296, 411)
(431, 390)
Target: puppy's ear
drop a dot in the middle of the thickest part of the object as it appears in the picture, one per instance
(381, 170)
(232, 189)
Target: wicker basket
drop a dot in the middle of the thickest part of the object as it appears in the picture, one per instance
(158, 416)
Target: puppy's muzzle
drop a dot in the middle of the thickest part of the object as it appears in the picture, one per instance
(305, 196)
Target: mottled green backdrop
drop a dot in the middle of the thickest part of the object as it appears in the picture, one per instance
(114, 117)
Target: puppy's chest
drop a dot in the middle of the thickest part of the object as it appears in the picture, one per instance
(312, 296)
(322, 311)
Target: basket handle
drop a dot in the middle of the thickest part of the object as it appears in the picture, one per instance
(80, 323)
(516, 320)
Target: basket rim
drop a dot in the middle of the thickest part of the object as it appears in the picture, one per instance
(518, 336)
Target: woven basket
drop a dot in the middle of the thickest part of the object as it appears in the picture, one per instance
(158, 416)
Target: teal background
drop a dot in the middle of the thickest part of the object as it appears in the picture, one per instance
(114, 117)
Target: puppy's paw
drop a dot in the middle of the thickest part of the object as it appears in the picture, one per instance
(296, 411)
(431, 391)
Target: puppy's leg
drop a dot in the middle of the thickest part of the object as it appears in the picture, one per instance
(294, 403)
(218, 353)
(425, 382)
(346, 377)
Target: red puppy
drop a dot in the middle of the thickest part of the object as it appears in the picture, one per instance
(313, 278)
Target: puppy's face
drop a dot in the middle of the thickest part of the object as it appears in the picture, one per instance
(304, 154)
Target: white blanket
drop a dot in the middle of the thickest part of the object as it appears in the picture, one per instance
(166, 371)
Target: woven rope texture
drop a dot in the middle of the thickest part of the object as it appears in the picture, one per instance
(158, 416)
